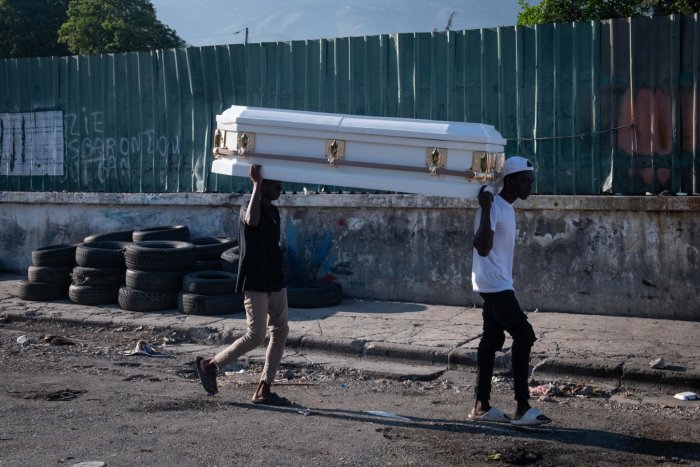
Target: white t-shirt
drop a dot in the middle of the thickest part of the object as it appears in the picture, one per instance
(494, 273)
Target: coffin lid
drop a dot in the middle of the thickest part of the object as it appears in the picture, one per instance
(361, 125)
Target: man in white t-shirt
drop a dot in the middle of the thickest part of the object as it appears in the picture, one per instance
(492, 277)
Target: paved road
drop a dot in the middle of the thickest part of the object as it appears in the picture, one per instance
(66, 404)
(616, 349)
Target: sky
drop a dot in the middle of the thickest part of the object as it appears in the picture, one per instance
(213, 22)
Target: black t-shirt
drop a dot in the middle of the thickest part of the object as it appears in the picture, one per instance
(260, 266)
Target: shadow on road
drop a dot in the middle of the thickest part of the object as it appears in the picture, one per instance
(688, 451)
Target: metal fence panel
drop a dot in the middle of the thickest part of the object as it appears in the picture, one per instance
(608, 106)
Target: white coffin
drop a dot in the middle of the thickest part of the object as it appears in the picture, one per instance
(391, 154)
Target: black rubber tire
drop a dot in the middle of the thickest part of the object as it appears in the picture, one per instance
(145, 300)
(209, 265)
(178, 233)
(210, 305)
(154, 281)
(317, 295)
(93, 294)
(123, 236)
(209, 283)
(41, 291)
(97, 276)
(50, 274)
(101, 254)
(229, 260)
(161, 255)
(55, 255)
(212, 247)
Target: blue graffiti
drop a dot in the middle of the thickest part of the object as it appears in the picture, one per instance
(310, 258)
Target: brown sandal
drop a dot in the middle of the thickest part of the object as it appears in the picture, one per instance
(207, 379)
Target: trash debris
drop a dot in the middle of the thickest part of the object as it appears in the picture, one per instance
(686, 396)
(545, 391)
(583, 391)
(658, 363)
(144, 348)
(548, 389)
(381, 413)
(494, 457)
(305, 411)
(242, 371)
(22, 340)
(58, 340)
(89, 464)
(343, 385)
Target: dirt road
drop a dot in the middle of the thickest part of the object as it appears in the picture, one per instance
(78, 397)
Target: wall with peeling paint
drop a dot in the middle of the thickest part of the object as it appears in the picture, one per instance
(633, 256)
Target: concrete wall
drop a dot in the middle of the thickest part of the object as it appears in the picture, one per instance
(634, 256)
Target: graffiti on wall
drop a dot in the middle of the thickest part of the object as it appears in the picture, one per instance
(31, 143)
(94, 156)
(317, 255)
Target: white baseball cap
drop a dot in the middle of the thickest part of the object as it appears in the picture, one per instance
(516, 164)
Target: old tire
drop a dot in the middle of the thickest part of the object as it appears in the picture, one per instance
(209, 265)
(209, 283)
(212, 247)
(210, 305)
(93, 294)
(123, 236)
(98, 276)
(50, 274)
(144, 300)
(55, 255)
(101, 254)
(154, 281)
(230, 259)
(317, 295)
(161, 255)
(178, 233)
(41, 291)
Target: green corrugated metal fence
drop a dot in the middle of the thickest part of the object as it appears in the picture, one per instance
(607, 106)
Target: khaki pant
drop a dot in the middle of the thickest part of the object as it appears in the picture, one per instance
(262, 309)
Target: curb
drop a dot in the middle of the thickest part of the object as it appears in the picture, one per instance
(685, 379)
(335, 345)
(619, 372)
(407, 353)
(591, 368)
(451, 358)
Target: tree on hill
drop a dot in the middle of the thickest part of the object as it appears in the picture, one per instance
(564, 11)
(105, 26)
(29, 28)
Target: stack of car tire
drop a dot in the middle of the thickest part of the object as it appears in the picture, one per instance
(211, 290)
(209, 251)
(155, 265)
(230, 259)
(49, 275)
(100, 272)
(153, 269)
(210, 293)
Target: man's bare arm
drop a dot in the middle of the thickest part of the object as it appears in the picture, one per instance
(483, 239)
(252, 215)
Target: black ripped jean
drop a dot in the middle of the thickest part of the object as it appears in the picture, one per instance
(502, 312)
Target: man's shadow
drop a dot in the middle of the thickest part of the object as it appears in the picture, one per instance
(688, 451)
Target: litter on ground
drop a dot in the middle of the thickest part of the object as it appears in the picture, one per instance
(144, 348)
(686, 396)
